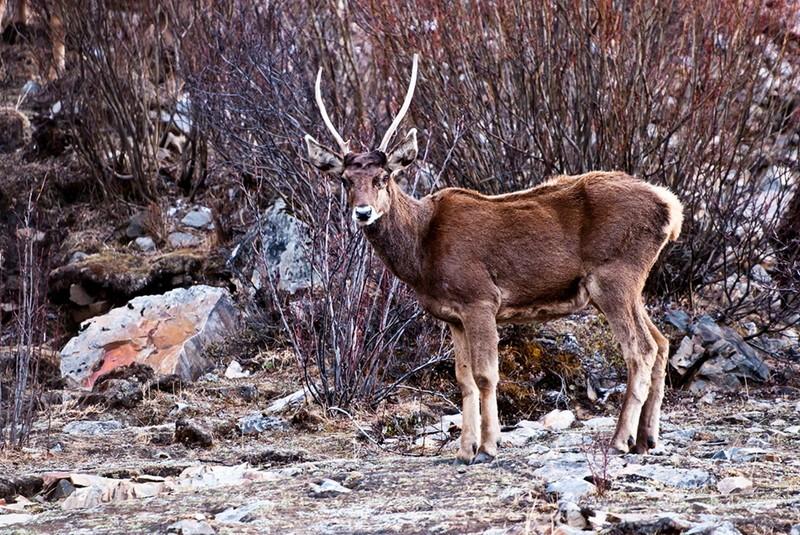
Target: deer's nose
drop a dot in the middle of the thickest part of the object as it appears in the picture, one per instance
(363, 213)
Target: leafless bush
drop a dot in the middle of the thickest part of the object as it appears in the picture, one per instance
(699, 96)
(123, 95)
(598, 458)
(19, 397)
(355, 320)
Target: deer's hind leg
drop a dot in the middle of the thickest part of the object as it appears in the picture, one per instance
(647, 436)
(619, 297)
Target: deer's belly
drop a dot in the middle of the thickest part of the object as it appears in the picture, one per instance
(543, 310)
(537, 313)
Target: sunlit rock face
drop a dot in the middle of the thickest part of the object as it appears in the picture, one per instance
(167, 332)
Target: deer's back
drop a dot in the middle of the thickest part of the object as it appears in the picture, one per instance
(537, 244)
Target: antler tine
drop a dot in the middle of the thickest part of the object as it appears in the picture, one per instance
(344, 146)
(403, 109)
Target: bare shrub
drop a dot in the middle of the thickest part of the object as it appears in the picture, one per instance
(598, 458)
(123, 97)
(698, 96)
(19, 396)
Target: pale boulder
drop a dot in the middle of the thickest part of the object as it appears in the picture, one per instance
(167, 332)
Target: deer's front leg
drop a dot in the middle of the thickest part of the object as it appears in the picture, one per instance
(470, 412)
(482, 338)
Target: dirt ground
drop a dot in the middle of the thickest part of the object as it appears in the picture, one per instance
(420, 490)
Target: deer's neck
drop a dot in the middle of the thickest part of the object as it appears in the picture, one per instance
(397, 236)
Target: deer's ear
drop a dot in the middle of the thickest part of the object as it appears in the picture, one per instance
(404, 153)
(323, 158)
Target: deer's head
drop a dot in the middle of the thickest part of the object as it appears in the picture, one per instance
(365, 175)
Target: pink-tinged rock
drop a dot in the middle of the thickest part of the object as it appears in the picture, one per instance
(166, 332)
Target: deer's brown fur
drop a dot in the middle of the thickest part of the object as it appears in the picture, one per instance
(475, 261)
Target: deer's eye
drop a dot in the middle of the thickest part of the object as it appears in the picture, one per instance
(379, 181)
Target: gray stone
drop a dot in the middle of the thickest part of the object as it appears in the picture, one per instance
(354, 480)
(179, 408)
(571, 488)
(145, 244)
(571, 440)
(285, 243)
(440, 430)
(256, 423)
(121, 393)
(199, 218)
(714, 528)
(234, 371)
(755, 442)
(9, 519)
(557, 420)
(682, 478)
(179, 240)
(191, 527)
(600, 422)
(563, 469)
(732, 484)
(136, 225)
(295, 399)
(192, 433)
(167, 332)
(708, 330)
(687, 354)
(663, 523)
(328, 489)
(795, 530)
(718, 356)
(92, 427)
(524, 433)
(740, 455)
(63, 488)
(679, 318)
(571, 515)
(239, 514)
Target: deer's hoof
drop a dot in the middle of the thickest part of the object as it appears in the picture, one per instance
(618, 448)
(482, 458)
(646, 445)
(465, 456)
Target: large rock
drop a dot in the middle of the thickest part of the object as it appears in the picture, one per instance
(284, 250)
(716, 356)
(199, 218)
(166, 332)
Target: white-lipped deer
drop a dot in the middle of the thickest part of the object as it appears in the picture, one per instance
(475, 261)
